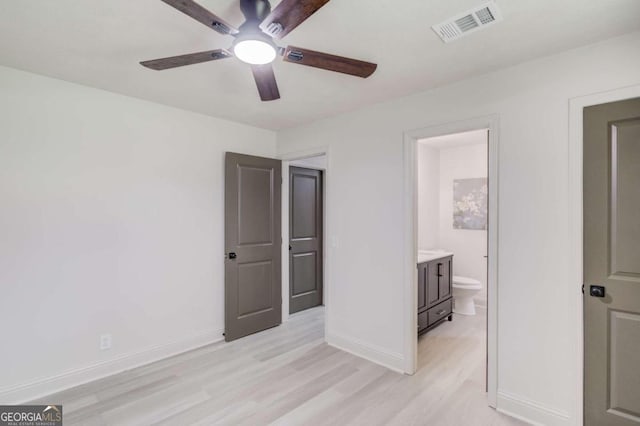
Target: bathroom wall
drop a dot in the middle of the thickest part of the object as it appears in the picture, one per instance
(428, 198)
(469, 246)
(441, 160)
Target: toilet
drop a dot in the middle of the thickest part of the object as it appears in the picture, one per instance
(463, 291)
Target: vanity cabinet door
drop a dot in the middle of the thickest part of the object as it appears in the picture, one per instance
(433, 290)
(422, 286)
(444, 275)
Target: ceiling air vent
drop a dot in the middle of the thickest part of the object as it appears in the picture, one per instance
(468, 22)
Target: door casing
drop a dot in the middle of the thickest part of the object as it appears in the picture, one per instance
(576, 279)
(410, 293)
(286, 158)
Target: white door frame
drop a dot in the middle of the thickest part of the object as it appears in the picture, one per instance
(576, 106)
(410, 297)
(286, 158)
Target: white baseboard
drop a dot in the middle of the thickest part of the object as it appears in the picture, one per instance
(392, 360)
(41, 387)
(530, 411)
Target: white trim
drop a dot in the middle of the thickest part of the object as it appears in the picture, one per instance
(576, 105)
(410, 244)
(285, 241)
(410, 226)
(530, 411)
(392, 360)
(305, 153)
(45, 386)
(286, 158)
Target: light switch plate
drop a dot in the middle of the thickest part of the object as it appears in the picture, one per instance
(105, 342)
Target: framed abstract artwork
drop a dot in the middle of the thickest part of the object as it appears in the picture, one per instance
(470, 203)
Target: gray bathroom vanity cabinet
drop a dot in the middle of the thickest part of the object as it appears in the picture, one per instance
(435, 302)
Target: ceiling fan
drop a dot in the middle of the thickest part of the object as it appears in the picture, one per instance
(254, 43)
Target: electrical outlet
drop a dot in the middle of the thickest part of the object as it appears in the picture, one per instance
(105, 342)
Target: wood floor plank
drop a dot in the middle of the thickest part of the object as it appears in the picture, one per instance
(288, 376)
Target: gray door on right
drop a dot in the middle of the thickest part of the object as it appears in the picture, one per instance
(612, 264)
(305, 238)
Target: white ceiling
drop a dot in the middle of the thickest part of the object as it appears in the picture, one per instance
(99, 43)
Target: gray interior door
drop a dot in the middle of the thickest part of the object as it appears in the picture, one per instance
(305, 238)
(253, 289)
(612, 261)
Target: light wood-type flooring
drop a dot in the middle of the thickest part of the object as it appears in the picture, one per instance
(288, 376)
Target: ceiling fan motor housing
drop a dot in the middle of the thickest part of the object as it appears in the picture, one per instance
(255, 11)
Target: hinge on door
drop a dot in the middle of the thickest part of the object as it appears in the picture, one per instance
(582, 288)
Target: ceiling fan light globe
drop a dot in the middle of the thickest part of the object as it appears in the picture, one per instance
(254, 52)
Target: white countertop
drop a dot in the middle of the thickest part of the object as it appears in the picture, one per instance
(429, 255)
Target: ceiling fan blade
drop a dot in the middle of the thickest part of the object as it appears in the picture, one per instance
(188, 59)
(266, 82)
(288, 15)
(200, 14)
(325, 61)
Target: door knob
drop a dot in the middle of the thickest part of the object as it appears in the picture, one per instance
(232, 255)
(596, 291)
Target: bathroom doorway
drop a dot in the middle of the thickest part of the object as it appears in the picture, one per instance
(451, 248)
(452, 198)
(453, 208)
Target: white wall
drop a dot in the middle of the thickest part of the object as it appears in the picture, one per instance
(111, 222)
(469, 246)
(428, 190)
(536, 333)
(440, 161)
(318, 162)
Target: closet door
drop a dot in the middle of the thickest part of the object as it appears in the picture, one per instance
(305, 239)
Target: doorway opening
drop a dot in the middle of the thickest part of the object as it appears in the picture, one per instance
(303, 233)
(452, 212)
(265, 281)
(451, 251)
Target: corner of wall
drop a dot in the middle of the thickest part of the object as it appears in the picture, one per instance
(391, 360)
